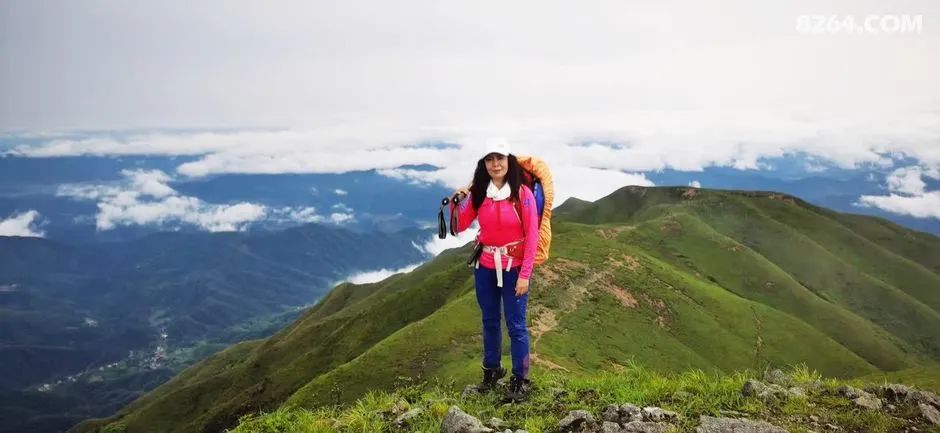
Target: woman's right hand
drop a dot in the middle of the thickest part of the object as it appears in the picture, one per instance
(461, 192)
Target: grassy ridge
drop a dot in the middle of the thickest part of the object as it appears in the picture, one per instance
(690, 394)
(670, 278)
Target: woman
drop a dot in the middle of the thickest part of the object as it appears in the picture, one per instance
(506, 211)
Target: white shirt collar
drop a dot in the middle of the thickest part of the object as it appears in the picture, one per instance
(498, 194)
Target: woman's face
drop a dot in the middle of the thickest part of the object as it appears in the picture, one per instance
(496, 166)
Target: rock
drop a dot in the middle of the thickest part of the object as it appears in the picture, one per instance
(892, 407)
(753, 388)
(576, 421)
(774, 392)
(814, 418)
(850, 392)
(778, 377)
(469, 391)
(406, 417)
(610, 427)
(646, 427)
(496, 423)
(756, 388)
(930, 413)
(629, 413)
(656, 414)
(708, 424)
(833, 427)
(895, 392)
(925, 397)
(861, 398)
(400, 407)
(796, 392)
(868, 401)
(611, 413)
(457, 421)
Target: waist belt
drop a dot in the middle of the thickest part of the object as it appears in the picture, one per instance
(498, 253)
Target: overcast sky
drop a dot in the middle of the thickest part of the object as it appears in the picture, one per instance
(333, 86)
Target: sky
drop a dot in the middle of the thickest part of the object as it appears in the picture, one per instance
(602, 90)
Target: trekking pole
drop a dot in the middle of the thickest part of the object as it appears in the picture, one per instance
(441, 224)
(453, 215)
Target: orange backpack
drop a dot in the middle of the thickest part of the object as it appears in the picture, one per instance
(539, 179)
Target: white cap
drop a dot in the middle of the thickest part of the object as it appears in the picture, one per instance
(499, 146)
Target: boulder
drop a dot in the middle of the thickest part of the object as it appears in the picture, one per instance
(576, 421)
(629, 413)
(610, 427)
(895, 392)
(930, 413)
(850, 392)
(496, 423)
(406, 417)
(778, 377)
(611, 413)
(868, 401)
(656, 414)
(646, 427)
(708, 424)
(458, 421)
(469, 391)
(925, 397)
(753, 388)
(796, 392)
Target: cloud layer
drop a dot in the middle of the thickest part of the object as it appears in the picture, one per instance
(908, 194)
(145, 198)
(602, 90)
(23, 224)
(379, 275)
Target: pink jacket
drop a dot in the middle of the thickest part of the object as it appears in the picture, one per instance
(499, 226)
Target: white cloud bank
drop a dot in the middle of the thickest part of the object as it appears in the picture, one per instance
(23, 224)
(671, 85)
(145, 198)
(908, 194)
(379, 275)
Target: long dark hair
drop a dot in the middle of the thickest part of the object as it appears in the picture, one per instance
(481, 180)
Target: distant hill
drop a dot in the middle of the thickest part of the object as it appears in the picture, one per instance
(67, 309)
(671, 278)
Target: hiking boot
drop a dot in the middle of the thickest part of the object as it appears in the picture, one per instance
(490, 378)
(519, 389)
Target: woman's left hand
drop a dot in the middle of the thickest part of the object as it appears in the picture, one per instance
(522, 287)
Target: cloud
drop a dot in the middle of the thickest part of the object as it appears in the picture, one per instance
(145, 198)
(340, 218)
(379, 275)
(299, 214)
(695, 184)
(908, 194)
(919, 206)
(22, 224)
(628, 87)
(340, 192)
(436, 245)
(127, 210)
(908, 180)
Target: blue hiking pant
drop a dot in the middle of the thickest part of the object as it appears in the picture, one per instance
(489, 296)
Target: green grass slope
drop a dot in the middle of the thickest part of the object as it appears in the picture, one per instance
(674, 279)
